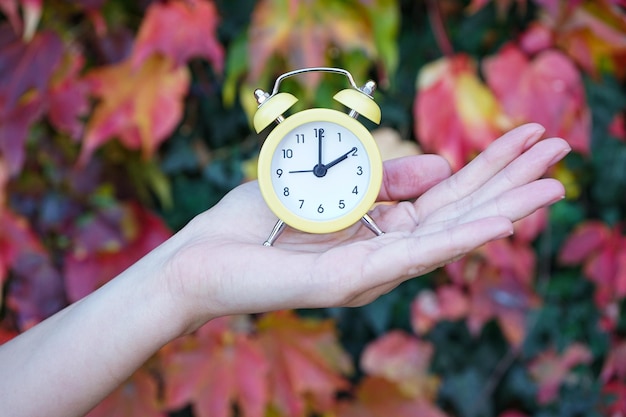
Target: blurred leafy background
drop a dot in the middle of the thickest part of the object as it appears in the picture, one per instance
(120, 121)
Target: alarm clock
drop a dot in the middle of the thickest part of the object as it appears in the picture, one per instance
(319, 170)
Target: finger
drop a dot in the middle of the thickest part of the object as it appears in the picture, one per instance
(410, 255)
(486, 165)
(519, 202)
(528, 167)
(407, 178)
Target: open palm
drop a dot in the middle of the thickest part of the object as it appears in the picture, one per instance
(432, 219)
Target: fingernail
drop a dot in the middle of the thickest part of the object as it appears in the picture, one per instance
(535, 133)
(560, 155)
(506, 233)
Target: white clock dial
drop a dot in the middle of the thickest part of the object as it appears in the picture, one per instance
(320, 171)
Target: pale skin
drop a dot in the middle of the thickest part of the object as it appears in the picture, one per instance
(218, 266)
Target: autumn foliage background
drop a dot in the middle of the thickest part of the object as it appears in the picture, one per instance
(119, 121)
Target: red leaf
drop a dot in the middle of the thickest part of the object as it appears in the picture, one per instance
(615, 404)
(547, 90)
(27, 69)
(27, 66)
(615, 363)
(15, 238)
(141, 106)
(138, 396)
(10, 9)
(513, 413)
(602, 251)
(456, 115)
(499, 281)
(102, 250)
(35, 291)
(403, 359)
(536, 38)
(550, 369)
(14, 129)
(181, 30)
(219, 366)
(6, 334)
(528, 228)
(68, 97)
(449, 302)
(586, 239)
(307, 362)
(618, 127)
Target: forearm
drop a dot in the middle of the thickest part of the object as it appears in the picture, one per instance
(68, 363)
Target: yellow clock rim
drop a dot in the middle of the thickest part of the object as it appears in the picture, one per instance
(265, 174)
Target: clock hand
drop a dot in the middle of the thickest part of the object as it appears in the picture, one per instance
(341, 158)
(320, 135)
(319, 170)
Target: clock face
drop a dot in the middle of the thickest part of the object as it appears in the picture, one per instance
(323, 171)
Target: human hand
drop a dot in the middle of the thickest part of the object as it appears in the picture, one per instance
(220, 266)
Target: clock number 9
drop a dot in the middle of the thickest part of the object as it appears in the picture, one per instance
(279, 172)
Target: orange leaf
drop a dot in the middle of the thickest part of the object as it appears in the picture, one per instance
(550, 369)
(302, 33)
(221, 365)
(547, 90)
(180, 30)
(307, 362)
(141, 107)
(379, 397)
(593, 34)
(456, 114)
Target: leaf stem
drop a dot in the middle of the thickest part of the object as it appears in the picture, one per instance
(439, 29)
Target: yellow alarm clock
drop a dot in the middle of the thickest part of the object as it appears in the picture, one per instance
(319, 170)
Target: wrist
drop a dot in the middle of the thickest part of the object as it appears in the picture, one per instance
(183, 277)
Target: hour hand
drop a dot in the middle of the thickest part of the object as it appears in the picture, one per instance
(341, 158)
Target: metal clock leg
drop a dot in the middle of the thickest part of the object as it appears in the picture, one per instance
(276, 231)
(371, 224)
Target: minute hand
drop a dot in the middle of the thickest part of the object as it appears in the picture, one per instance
(341, 158)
